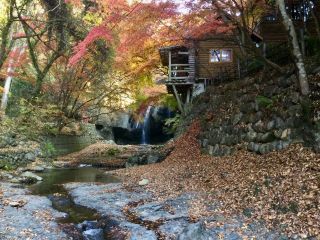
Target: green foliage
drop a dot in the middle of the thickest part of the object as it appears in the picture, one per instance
(48, 150)
(140, 99)
(33, 118)
(171, 124)
(113, 151)
(254, 65)
(264, 102)
(170, 102)
(7, 167)
(19, 89)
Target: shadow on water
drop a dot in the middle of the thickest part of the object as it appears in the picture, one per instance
(51, 186)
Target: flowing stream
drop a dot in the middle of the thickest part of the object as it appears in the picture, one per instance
(51, 186)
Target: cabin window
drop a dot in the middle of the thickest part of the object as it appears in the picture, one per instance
(220, 55)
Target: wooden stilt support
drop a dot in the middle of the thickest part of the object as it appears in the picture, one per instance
(188, 96)
(178, 99)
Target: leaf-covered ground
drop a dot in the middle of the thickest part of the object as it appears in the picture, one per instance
(279, 188)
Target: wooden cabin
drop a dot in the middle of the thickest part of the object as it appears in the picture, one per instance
(198, 63)
(214, 59)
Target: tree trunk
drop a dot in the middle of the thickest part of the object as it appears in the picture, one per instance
(6, 39)
(287, 22)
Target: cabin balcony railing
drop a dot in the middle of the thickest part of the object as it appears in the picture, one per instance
(180, 73)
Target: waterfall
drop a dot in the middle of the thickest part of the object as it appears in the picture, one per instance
(12, 60)
(146, 126)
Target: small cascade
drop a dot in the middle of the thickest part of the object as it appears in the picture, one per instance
(14, 58)
(146, 126)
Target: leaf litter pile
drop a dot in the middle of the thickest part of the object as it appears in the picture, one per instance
(280, 188)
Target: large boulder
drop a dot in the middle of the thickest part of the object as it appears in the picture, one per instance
(93, 234)
(195, 231)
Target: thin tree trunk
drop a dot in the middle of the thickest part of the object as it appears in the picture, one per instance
(6, 41)
(287, 22)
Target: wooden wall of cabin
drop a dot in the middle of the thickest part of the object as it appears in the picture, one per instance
(221, 70)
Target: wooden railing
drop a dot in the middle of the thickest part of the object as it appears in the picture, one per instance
(181, 73)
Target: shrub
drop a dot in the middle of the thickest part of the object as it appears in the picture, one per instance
(264, 101)
(113, 151)
(171, 124)
(48, 150)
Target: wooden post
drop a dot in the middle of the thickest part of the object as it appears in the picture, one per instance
(169, 72)
(188, 96)
(178, 99)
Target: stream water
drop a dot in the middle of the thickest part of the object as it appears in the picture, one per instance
(51, 186)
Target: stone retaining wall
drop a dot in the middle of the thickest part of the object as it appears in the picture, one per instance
(19, 156)
(260, 117)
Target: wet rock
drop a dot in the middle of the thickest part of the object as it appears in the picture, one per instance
(173, 228)
(153, 158)
(14, 204)
(236, 118)
(5, 175)
(214, 150)
(277, 133)
(137, 232)
(15, 180)
(271, 124)
(266, 148)
(171, 209)
(195, 231)
(13, 222)
(251, 136)
(210, 149)
(279, 123)
(267, 137)
(229, 140)
(143, 182)
(259, 126)
(30, 157)
(31, 175)
(285, 134)
(290, 122)
(36, 169)
(60, 201)
(253, 147)
(205, 143)
(93, 234)
(282, 145)
(87, 225)
(107, 199)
